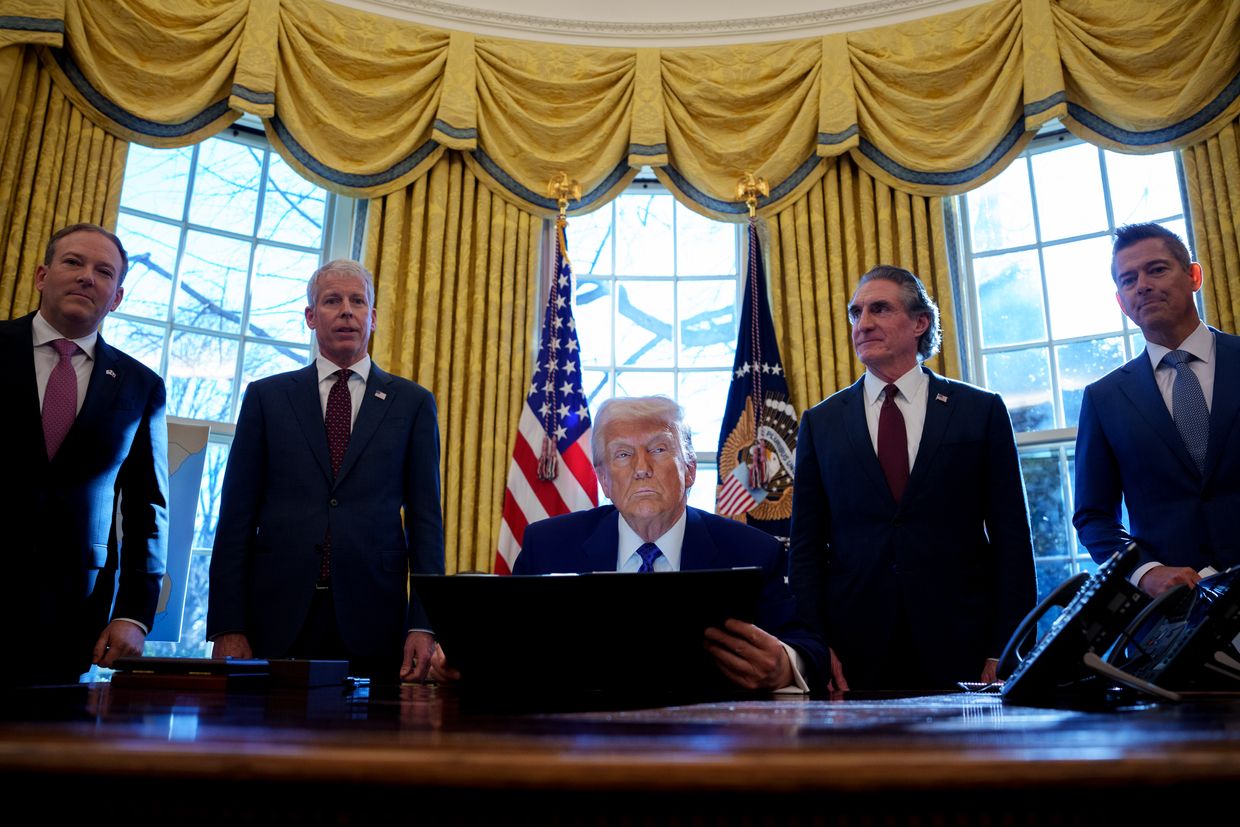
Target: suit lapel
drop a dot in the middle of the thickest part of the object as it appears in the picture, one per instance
(307, 406)
(858, 432)
(697, 551)
(1226, 401)
(939, 409)
(376, 402)
(602, 546)
(1138, 385)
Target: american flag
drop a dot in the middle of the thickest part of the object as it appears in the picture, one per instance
(551, 471)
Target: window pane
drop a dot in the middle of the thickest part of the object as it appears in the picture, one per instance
(1022, 377)
(1082, 295)
(1001, 212)
(152, 249)
(597, 387)
(1047, 513)
(645, 383)
(265, 360)
(1009, 289)
(193, 643)
(208, 517)
(278, 294)
(644, 323)
(1069, 192)
(708, 322)
(213, 279)
(702, 494)
(1051, 572)
(644, 243)
(293, 208)
(200, 376)
(1143, 187)
(592, 313)
(142, 341)
(704, 395)
(1082, 363)
(226, 186)
(704, 247)
(155, 181)
(589, 242)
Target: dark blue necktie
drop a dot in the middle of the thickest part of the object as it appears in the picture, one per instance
(1188, 407)
(649, 552)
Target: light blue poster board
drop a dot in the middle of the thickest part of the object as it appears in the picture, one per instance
(187, 453)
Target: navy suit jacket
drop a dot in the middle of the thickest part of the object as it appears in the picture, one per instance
(588, 541)
(1127, 447)
(954, 555)
(280, 499)
(68, 572)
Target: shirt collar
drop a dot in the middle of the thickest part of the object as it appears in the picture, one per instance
(328, 368)
(45, 333)
(1200, 343)
(670, 543)
(912, 385)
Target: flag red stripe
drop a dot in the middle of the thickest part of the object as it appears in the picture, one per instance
(515, 518)
(581, 467)
(525, 459)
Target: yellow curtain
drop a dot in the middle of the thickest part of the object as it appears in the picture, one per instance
(56, 168)
(1212, 171)
(365, 104)
(821, 245)
(455, 275)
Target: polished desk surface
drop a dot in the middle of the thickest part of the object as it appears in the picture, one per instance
(423, 736)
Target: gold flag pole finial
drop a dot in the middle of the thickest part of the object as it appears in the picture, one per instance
(748, 188)
(563, 189)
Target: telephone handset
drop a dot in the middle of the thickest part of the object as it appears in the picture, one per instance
(1024, 637)
(1065, 665)
(1185, 639)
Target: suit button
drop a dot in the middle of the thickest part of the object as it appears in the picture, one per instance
(334, 502)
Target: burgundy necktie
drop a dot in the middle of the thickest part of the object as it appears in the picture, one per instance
(60, 397)
(893, 443)
(339, 424)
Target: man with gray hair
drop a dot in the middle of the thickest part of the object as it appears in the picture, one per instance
(911, 550)
(646, 465)
(330, 502)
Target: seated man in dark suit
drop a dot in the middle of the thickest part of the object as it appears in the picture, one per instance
(646, 464)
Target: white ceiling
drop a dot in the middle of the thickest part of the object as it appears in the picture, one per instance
(658, 22)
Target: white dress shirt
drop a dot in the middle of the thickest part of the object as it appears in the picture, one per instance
(357, 382)
(671, 542)
(911, 400)
(46, 357)
(1200, 343)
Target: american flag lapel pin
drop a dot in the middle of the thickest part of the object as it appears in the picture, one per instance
(380, 395)
(940, 397)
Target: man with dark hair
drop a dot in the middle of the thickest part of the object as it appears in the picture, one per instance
(911, 549)
(86, 428)
(1159, 433)
(330, 502)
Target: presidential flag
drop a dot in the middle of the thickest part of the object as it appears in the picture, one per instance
(551, 471)
(757, 443)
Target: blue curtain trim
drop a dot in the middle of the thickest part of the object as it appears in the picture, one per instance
(509, 183)
(455, 131)
(32, 24)
(253, 97)
(941, 179)
(647, 149)
(829, 138)
(1194, 122)
(129, 121)
(350, 179)
(1036, 107)
(739, 207)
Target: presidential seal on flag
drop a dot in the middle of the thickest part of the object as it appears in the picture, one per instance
(773, 447)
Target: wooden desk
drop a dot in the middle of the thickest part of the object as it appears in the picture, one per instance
(421, 755)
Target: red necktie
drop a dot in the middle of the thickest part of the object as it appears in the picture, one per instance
(893, 443)
(60, 398)
(339, 424)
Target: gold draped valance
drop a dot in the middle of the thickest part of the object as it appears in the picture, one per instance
(365, 104)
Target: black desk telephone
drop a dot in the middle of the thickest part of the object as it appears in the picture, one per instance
(1110, 632)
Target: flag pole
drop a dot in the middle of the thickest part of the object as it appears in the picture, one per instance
(748, 189)
(562, 189)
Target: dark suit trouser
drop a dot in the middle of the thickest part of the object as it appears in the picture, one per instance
(320, 640)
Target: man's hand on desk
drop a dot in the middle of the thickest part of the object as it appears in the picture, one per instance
(441, 672)
(120, 639)
(416, 664)
(838, 682)
(749, 657)
(1164, 578)
(990, 672)
(232, 645)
